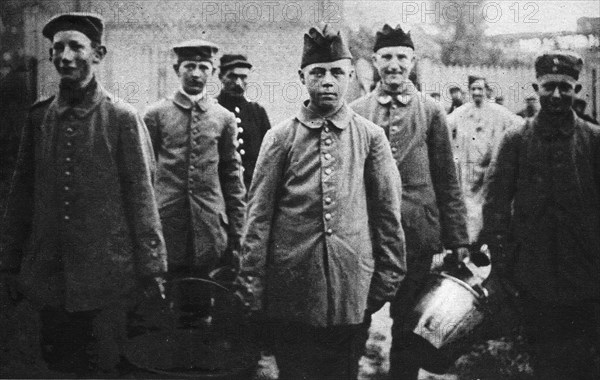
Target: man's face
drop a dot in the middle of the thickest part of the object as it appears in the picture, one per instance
(477, 91)
(193, 75)
(394, 64)
(74, 57)
(235, 80)
(327, 83)
(556, 93)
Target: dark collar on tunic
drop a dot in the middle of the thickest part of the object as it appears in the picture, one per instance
(340, 119)
(550, 127)
(229, 101)
(186, 103)
(403, 98)
(80, 101)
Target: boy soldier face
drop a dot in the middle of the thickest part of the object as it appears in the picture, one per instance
(394, 64)
(556, 92)
(327, 83)
(74, 56)
(193, 75)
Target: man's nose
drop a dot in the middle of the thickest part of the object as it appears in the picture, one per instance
(327, 79)
(239, 81)
(67, 54)
(556, 93)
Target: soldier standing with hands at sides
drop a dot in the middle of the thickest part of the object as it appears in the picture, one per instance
(323, 243)
(199, 184)
(251, 117)
(82, 225)
(433, 212)
(542, 223)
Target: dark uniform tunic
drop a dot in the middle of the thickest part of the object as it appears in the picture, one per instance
(551, 178)
(253, 124)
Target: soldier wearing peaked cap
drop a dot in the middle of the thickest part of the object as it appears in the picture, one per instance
(542, 223)
(433, 211)
(251, 117)
(82, 225)
(199, 183)
(323, 244)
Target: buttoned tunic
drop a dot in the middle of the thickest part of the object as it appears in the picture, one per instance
(253, 124)
(82, 209)
(543, 207)
(199, 183)
(433, 212)
(323, 231)
(479, 131)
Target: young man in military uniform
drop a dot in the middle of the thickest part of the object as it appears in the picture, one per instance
(251, 117)
(323, 245)
(82, 224)
(433, 212)
(542, 223)
(199, 183)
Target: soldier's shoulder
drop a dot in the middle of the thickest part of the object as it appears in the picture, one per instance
(42, 102)
(160, 105)
(361, 104)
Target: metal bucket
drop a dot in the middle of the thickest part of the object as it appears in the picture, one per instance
(219, 346)
(448, 309)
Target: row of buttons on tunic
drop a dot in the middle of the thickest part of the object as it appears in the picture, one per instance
(240, 131)
(328, 171)
(68, 171)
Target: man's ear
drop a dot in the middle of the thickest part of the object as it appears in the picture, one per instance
(578, 88)
(176, 68)
(374, 59)
(301, 75)
(535, 86)
(99, 53)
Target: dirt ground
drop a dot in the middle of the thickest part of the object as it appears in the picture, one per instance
(493, 359)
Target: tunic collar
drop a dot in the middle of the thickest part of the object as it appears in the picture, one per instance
(403, 98)
(551, 127)
(91, 96)
(340, 119)
(184, 101)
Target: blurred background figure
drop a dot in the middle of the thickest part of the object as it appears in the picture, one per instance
(500, 100)
(457, 97)
(532, 107)
(579, 106)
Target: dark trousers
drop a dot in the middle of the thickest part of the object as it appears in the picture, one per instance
(408, 350)
(305, 352)
(564, 340)
(83, 343)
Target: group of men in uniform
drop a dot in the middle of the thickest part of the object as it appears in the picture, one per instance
(347, 204)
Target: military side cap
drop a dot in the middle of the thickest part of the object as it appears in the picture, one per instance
(475, 78)
(195, 50)
(323, 44)
(90, 24)
(392, 37)
(234, 60)
(558, 62)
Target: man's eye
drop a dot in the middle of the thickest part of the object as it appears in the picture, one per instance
(387, 57)
(549, 87)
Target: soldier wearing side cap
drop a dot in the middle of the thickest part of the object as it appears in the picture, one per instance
(323, 244)
(199, 183)
(542, 223)
(251, 117)
(82, 224)
(433, 211)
